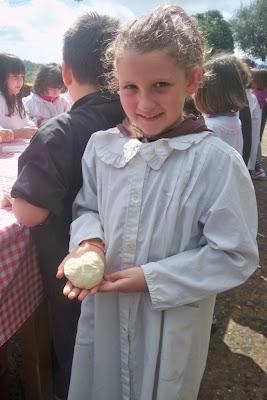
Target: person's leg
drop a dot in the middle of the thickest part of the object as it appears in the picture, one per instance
(5, 379)
(259, 172)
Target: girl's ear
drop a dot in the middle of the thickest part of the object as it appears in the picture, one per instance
(193, 79)
(66, 74)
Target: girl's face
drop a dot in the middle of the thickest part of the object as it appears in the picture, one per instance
(53, 92)
(14, 83)
(152, 89)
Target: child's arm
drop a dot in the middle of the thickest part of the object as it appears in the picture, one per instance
(44, 173)
(87, 225)
(130, 280)
(25, 133)
(27, 214)
(226, 256)
(227, 252)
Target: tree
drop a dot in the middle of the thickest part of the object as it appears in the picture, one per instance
(31, 70)
(216, 30)
(250, 28)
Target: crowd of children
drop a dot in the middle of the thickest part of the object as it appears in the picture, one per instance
(157, 192)
(21, 116)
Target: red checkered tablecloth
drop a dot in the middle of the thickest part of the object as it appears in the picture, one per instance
(21, 288)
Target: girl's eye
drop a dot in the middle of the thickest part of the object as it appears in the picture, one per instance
(130, 87)
(17, 77)
(161, 84)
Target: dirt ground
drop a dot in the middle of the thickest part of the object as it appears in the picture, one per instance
(237, 361)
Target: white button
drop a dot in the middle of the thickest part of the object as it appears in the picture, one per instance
(135, 198)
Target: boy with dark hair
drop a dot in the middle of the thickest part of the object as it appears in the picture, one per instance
(50, 173)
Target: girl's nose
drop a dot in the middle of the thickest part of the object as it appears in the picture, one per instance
(145, 101)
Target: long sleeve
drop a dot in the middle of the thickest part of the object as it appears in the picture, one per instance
(227, 253)
(46, 168)
(86, 224)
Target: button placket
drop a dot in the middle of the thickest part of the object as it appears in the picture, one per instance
(129, 253)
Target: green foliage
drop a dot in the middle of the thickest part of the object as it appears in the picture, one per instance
(250, 28)
(216, 31)
(31, 70)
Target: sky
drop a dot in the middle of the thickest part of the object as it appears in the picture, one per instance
(33, 29)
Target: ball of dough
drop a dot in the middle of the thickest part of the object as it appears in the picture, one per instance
(86, 271)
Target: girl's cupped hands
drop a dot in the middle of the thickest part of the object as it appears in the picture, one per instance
(130, 280)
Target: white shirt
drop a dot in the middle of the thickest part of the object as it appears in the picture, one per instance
(228, 129)
(39, 109)
(14, 121)
(176, 208)
(256, 113)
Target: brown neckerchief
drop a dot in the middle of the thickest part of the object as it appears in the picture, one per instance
(190, 124)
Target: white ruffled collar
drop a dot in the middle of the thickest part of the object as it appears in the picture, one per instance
(115, 149)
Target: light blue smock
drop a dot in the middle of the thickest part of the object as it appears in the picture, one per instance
(184, 209)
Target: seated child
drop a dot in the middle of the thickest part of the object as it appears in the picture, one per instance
(46, 101)
(14, 122)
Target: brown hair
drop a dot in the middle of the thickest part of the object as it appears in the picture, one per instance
(259, 78)
(222, 89)
(10, 64)
(169, 29)
(84, 47)
(243, 69)
(48, 76)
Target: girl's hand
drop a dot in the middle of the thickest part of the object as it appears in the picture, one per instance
(7, 200)
(130, 280)
(69, 290)
(6, 135)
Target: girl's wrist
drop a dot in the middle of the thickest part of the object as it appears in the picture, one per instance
(98, 243)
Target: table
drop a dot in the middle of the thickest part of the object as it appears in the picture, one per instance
(21, 288)
(22, 309)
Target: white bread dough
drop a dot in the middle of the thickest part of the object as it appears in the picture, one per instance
(86, 271)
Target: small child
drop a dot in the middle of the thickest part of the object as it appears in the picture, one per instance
(14, 122)
(255, 113)
(259, 89)
(219, 99)
(165, 198)
(46, 101)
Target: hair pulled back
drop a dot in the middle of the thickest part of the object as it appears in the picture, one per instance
(167, 29)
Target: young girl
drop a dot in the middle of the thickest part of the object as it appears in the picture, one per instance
(219, 99)
(13, 120)
(46, 101)
(165, 199)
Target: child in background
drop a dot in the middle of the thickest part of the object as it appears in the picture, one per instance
(50, 173)
(255, 112)
(14, 123)
(220, 97)
(259, 89)
(46, 101)
(165, 199)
